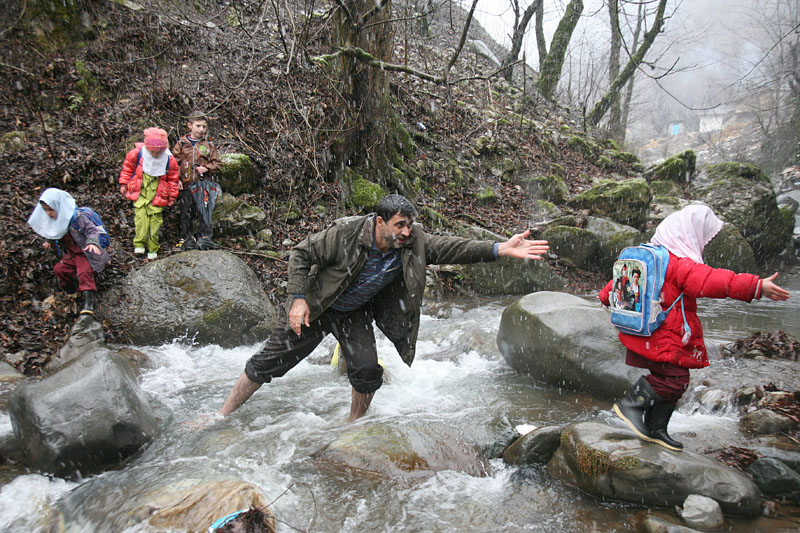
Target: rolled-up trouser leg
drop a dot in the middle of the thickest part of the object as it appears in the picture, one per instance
(284, 349)
(669, 387)
(354, 332)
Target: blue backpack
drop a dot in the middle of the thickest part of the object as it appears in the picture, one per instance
(638, 277)
(104, 237)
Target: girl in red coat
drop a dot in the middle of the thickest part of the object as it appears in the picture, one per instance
(149, 178)
(671, 350)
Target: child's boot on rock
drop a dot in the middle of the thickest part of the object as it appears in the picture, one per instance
(633, 406)
(656, 420)
(88, 303)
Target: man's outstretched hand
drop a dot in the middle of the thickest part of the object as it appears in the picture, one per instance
(520, 247)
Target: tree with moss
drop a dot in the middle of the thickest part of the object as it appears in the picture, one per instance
(612, 94)
(553, 63)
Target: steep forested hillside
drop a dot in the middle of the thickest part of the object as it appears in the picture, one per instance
(81, 82)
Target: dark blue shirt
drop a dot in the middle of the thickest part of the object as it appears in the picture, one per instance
(378, 272)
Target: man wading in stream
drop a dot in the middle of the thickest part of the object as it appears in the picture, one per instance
(360, 269)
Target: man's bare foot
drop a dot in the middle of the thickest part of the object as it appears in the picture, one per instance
(203, 421)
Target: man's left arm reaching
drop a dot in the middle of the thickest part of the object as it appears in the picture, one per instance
(521, 247)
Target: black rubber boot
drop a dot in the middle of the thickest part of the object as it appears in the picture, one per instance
(189, 244)
(633, 406)
(88, 303)
(205, 243)
(656, 420)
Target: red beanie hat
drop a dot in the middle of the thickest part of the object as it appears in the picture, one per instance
(155, 139)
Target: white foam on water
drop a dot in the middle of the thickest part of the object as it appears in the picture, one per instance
(28, 499)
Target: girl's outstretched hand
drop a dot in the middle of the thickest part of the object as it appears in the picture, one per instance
(772, 291)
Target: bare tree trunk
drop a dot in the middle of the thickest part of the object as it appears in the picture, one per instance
(551, 68)
(615, 114)
(626, 103)
(599, 110)
(520, 26)
(541, 43)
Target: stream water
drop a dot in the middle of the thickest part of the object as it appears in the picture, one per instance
(459, 379)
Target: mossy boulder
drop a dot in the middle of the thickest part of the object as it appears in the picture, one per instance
(625, 157)
(576, 245)
(612, 238)
(730, 250)
(365, 194)
(237, 174)
(486, 196)
(234, 216)
(740, 193)
(666, 188)
(507, 275)
(626, 202)
(12, 142)
(543, 211)
(582, 146)
(679, 168)
(613, 463)
(547, 187)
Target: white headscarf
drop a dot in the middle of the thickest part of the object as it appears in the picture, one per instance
(687, 232)
(63, 204)
(155, 166)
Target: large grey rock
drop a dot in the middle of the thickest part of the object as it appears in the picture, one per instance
(773, 477)
(790, 458)
(507, 275)
(85, 337)
(89, 415)
(566, 341)
(614, 463)
(613, 238)
(211, 297)
(740, 193)
(402, 451)
(576, 245)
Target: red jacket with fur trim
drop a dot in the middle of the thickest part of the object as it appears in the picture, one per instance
(694, 280)
(131, 175)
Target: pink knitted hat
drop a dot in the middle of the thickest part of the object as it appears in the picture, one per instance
(155, 139)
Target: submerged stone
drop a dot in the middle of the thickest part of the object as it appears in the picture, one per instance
(403, 451)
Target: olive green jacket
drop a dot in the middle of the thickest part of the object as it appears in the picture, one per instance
(324, 264)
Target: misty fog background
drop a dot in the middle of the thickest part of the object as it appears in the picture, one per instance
(718, 64)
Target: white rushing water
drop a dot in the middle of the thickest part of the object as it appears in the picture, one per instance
(459, 379)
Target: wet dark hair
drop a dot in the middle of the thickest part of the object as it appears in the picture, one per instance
(197, 115)
(392, 204)
(254, 520)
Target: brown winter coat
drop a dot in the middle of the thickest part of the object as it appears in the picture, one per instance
(203, 153)
(324, 264)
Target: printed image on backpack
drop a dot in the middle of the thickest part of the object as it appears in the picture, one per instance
(628, 289)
